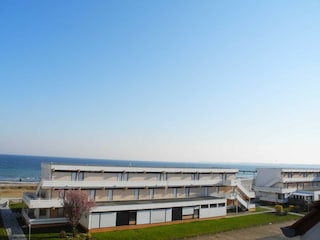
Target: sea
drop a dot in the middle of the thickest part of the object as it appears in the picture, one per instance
(25, 168)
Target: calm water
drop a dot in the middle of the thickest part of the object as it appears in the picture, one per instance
(27, 168)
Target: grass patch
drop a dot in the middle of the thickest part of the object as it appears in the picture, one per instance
(16, 207)
(261, 209)
(179, 231)
(173, 231)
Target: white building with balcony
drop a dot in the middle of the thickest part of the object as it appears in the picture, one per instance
(278, 184)
(136, 195)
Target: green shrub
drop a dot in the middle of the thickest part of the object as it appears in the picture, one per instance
(62, 234)
(278, 208)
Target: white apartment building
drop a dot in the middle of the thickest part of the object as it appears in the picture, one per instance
(136, 195)
(278, 184)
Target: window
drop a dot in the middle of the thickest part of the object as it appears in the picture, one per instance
(136, 194)
(280, 196)
(175, 191)
(290, 175)
(122, 176)
(60, 212)
(73, 176)
(205, 191)
(132, 217)
(43, 212)
(125, 177)
(151, 193)
(195, 176)
(204, 206)
(163, 176)
(81, 176)
(187, 192)
(61, 194)
(110, 194)
(221, 204)
(214, 205)
(92, 195)
(77, 176)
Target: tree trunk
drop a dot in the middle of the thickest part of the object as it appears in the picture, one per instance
(74, 230)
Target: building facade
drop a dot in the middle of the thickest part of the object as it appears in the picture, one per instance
(136, 195)
(277, 185)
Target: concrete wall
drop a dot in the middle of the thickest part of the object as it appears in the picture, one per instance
(266, 175)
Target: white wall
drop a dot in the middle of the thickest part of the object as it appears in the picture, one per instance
(143, 217)
(45, 171)
(212, 211)
(158, 215)
(108, 219)
(100, 220)
(266, 175)
(316, 195)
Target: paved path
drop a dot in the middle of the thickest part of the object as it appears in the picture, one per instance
(264, 232)
(14, 231)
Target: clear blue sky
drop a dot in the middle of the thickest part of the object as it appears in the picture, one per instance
(209, 81)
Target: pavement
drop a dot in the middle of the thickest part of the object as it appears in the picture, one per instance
(10, 222)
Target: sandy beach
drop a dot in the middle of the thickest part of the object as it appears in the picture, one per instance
(16, 189)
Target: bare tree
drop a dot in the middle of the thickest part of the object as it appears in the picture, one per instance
(76, 203)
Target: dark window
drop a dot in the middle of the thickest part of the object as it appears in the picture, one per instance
(43, 212)
(176, 213)
(204, 206)
(122, 218)
(221, 204)
(132, 217)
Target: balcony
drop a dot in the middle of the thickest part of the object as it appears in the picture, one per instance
(33, 201)
(39, 221)
(273, 199)
(300, 179)
(128, 184)
(274, 190)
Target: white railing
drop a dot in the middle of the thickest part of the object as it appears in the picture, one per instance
(32, 201)
(248, 193)
(300, 179)
(39, 221)
(242, 201)
(274, 190)
(272, 199)
(128, 184)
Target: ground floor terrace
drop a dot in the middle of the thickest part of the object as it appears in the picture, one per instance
(141, 212)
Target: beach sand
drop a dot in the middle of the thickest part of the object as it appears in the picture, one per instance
(16, 189)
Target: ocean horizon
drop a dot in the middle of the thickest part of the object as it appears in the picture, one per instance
(27, 168)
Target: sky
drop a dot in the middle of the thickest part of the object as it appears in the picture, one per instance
(183, 81)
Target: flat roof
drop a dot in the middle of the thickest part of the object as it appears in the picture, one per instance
(105, 168)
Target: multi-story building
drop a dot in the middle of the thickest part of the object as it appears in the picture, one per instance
(136, 195)
(278, 184)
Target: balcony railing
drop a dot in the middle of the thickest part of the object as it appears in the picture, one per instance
(300, 179)
(39, 221)
(273, 199)
(33, 201)
(274, 190)
(129, 184)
